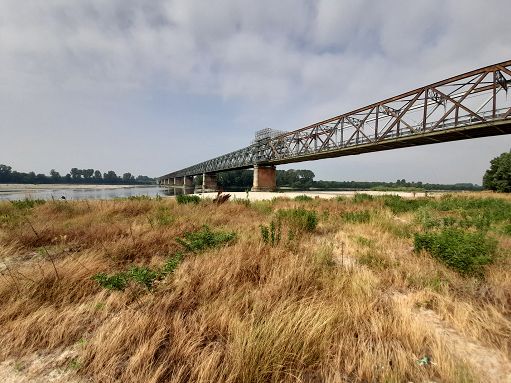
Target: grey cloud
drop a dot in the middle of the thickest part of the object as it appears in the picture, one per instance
(283, 64)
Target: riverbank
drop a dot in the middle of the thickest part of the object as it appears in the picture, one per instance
(4, 188)
(261, 196)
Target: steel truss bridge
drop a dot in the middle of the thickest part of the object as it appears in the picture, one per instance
(470, 105)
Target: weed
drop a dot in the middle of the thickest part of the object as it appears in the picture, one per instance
(172, 263)
(116, 282)
(362, 216)
(183, 199)
(143, 275)
(464, 251)
(204, 239)
(27, 203)
(299, 219)
(271, 234)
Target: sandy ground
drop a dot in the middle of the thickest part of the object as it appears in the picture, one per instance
(259, 196)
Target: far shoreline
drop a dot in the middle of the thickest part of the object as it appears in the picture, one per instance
(4, 188)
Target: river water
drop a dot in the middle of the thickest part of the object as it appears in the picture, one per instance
(70, 193)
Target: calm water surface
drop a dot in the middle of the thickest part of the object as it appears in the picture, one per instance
(80, 194)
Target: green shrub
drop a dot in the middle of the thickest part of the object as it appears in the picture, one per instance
(144, 276)
(401, 205)
(362, 197)
(117, 281)
(464, 251)
(138, 274)
(303, 198)
(362, 216)
(27, 203)
(299, 219)
(187, 198)
(271, 234)
(205, 238)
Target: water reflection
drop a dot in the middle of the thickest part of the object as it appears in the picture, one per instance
(92, 193)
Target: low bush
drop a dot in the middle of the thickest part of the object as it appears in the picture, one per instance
(204, 239)
(299, 219)
(187, 198)
(464, 251)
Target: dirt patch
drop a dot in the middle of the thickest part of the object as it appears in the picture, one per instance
(491, 364)
(56, 367)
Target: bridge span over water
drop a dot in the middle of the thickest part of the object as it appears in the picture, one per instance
(469, 105)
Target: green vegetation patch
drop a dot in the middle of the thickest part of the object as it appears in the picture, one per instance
(398, 204)
(183, 199)
(141, 275)
(205, 238)
(464, 251)
(272, 233)
(299, 219)
(27, 203)
(360, 216)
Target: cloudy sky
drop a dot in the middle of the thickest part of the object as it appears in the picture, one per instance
(155, 86)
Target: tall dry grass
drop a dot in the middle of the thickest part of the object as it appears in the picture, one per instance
(246, 312)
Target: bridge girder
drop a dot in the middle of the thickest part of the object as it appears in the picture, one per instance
(473, 104)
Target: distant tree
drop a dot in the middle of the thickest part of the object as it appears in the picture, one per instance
(98, 177)
(68, 178)
(111, 177)
(55, 176)
(127, 178)
(76, 174)
(498, 176)
(87, 174)
(5, 173)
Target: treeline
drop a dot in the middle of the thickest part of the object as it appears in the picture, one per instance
(75, 176)
(304, 179)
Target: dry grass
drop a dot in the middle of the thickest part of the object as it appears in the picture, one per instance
(244, 312)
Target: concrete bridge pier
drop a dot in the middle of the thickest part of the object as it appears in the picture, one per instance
(209, 182)
(265, 178)
(188, 181)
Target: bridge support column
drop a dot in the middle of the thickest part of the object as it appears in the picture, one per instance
(209, 182)
(265, 178)
(178, 181)
(188, 181)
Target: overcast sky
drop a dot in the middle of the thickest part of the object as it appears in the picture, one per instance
(154, 86)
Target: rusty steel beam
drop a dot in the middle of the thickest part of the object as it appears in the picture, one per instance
(440, 112)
